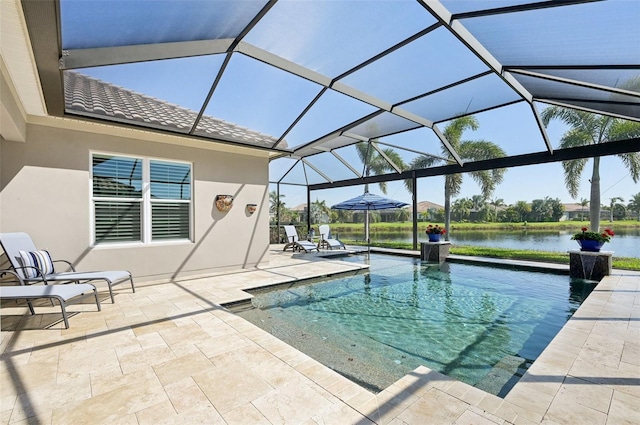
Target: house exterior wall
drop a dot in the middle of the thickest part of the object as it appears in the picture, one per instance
(45, 190)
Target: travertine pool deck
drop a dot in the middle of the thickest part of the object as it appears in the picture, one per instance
(171, 354)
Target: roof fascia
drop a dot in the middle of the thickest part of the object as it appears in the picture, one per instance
(41, 18)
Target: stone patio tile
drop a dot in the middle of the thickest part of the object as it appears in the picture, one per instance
(533, 404)
(383, 407)
(631, 353)
(490, 403)
(181, 367)
(230, 387)
(541, 381)
(575, 337)
(473, 396)
(624, 410)
(43, 399)
(339, 414)
(472, 418)
(435, 407)
(576, 391)
(245, 414)
(213, 347)
(294, 402)
(564, 412)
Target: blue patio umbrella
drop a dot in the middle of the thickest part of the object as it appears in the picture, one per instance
(366, 202)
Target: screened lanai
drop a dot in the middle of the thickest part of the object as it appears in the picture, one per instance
(310, 80)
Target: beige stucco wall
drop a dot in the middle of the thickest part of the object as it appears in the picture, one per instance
(45, 190)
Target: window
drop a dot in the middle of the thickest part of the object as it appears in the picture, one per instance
(140, 199)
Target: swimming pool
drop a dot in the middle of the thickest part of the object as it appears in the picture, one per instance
(480, 325)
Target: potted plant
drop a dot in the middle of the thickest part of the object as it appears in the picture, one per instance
(592, 241)
(434, 232)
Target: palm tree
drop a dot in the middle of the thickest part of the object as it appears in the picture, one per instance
(472, 150)
(375, 163)
(462, 208)
(613, 202)
(634, 204)
(523, 209)
(319, 210)
(583, 203)
(276, 205)
(496, 203)
(590, 129)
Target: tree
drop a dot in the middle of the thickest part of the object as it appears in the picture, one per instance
(276, 205)
(496, 203)
(634, 204)
(541, 209)
(472, 150)
(319, 211)
(612, 204)
(583, 203)
(523, 209)
(402, 214)
(462, 208)
(375, 163)
(590, 129)
(557, 209)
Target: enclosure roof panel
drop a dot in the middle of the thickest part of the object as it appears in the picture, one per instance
(308, 79)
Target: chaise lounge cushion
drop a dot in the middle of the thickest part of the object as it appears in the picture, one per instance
(36, 263)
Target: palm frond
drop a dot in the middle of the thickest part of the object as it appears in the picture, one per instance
(572, 171)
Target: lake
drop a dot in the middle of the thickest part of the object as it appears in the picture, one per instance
(626, 242)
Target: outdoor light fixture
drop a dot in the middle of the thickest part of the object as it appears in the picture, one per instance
(224, 202)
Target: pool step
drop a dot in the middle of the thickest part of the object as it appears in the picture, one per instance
(504, 375)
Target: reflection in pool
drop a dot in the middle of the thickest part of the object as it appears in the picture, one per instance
(480, 325)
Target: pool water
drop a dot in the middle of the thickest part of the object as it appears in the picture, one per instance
(480, 325)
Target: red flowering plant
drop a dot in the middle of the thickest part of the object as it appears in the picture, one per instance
(584, 235)
(435, 230)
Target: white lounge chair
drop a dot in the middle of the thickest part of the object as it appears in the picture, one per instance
(295, 243)
(62, 293)
(33, 266)
(327, 240)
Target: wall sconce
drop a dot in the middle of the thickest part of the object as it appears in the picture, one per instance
(251, 208)
(224, 202)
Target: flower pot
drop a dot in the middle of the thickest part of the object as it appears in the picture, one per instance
(590, 245)
(434, 237)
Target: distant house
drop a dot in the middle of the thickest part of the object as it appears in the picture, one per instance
(426, 210)
(575, 212)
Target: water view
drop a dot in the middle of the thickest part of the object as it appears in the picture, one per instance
(626, 242)
(468, 322)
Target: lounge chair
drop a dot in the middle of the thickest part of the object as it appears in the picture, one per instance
(295, 243)
(62, 293)
(33, 266)
(326, 240)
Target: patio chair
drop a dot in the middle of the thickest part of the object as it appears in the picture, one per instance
(61, 293)
(295, 243)
(326, 240)
(33, 266)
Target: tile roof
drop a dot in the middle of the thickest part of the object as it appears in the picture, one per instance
(92, 97)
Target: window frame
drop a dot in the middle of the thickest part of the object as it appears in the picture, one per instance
(146, 221)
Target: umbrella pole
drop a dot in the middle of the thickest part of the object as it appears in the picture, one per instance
(366, 230)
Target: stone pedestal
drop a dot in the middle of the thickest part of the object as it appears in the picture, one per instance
(436, 252)
(590, 265)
